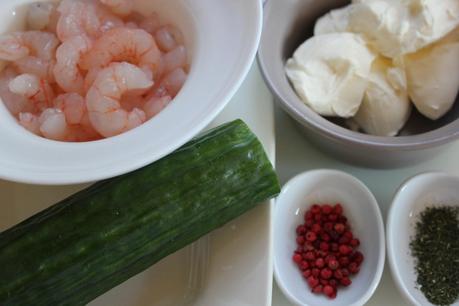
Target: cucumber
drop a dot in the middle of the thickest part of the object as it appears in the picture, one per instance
(90, 242)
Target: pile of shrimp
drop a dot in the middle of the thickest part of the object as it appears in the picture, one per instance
(90, 69)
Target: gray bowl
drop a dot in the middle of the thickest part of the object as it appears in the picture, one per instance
(287, 24)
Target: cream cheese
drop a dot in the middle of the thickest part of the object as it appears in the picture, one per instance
(433, 76)
(386, 106)
(329, 72)
(396, 27)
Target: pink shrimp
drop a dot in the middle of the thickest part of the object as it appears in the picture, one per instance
(30, 122)
(68, 55)
(155, 105)
(169, 85)
(31, 43)
(42, 16)
(174, 59)
(91, 77)
(150, 23)
(103, 99)
(44, 69)
(122, 44)
(84, 17)
(14, 103)
(52, 124)
(37, 91)
(73, 105)
(168, 37)
(119, 7)
(76, 115)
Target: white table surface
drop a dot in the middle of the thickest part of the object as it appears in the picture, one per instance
(294, 154)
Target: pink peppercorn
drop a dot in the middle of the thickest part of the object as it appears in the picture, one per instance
(317, 289)
(300, 240)
(324, 246)
(326, 252)
(320, 262)
(297, 258)
(338, 209)
(328, 291)
(311, 236)
(300, 230)
(345, 281)
(344, 249)
(333, 264)
(315, 272)
(326, 209)
(326, 273)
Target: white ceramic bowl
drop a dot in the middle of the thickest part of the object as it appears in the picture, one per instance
(362, 210)
(222, 36)
(419, 192)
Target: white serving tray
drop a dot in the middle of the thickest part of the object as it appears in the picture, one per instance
(295, 154)
(231, 266)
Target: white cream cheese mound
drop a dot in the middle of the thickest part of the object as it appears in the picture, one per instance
(385, 107)
(329, 72)
(334, 21)
(396, 27)
(433, 76)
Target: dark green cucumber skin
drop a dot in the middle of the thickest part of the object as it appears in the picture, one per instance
(83, 246)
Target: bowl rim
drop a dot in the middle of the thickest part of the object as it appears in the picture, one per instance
(293, 105)
(390, 223)
(379, 224)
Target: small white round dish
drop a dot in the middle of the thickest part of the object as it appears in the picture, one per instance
(362, 210)
(222, 37)
(415, 195)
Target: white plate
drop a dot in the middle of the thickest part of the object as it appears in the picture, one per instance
(232, 266)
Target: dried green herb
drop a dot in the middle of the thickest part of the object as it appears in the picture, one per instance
(436, 249)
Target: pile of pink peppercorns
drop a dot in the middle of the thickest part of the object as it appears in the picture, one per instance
(326, 251)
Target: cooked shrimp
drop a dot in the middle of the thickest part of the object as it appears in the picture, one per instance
(12, 47)
(73, 105)
(30, 122)
(132, 99)
(32, 52)
(41, 15)
(66, 71)
(170, 84)
(91, 77)
(36, 66)
(76, 115)
(168, 37)
(155, 105)
(131, 25)
(37, 91)
(103, 98)
(77, 18)
(150, 23)
(80, 17)
(34, 43)
(14, 103)
(122, 44)
(119, 7)
(174, 59)
(107, 19)
(53, 124)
